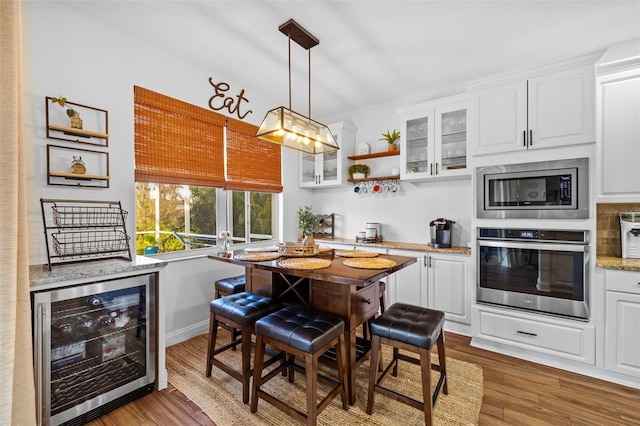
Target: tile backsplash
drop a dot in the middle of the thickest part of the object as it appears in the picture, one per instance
(608, 227)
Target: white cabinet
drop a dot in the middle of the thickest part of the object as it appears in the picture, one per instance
(448, 283)
(622, 336)
(545, 334)
(619, 149)
(437, 281)
(328, 169)
(434, 139)
(545, 111)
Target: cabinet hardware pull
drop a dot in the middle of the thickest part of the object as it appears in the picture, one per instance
(424, 261)
(527, 333)
(436, 167)
(429, 261)
(524, 138)
(367, 301)
(530, 137)
(431, 169)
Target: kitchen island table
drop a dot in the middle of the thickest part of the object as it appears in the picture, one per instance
(346, 292)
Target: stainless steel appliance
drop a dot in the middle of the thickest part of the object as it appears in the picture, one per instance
(94, 348)
(630, 235)
(550, 189)
(440, 232)
(534, 269)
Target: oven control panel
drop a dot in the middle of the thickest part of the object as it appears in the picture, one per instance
(540, 235)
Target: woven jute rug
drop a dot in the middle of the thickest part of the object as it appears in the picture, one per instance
(220, 396)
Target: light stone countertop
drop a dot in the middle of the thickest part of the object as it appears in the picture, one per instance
(609, 262)
(72, 273)
(396, 245)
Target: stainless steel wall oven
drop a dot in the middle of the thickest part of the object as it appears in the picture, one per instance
(546, 190)
(534, 269)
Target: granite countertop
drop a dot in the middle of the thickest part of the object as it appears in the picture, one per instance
(610, 262)
(40, 278)
(397, 245)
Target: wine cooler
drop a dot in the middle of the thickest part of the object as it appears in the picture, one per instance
(94, 348)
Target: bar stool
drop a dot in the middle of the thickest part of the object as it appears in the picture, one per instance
(239, 311)
(414, 329)
(305, 334)
(225, 287)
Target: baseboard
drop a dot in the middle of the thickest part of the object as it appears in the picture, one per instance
(561, 363)
(186, 333)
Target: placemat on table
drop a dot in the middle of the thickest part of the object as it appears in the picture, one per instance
(355, 253)
(304, 263)
(257, 256)
(369, 263)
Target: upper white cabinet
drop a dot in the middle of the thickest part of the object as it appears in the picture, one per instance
(619, 146)
(434, 139)
(550, 108)
(329, 169)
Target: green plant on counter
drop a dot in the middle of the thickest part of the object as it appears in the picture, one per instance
(391, 136)
(63, 102)
(307, 221)
(359, 168)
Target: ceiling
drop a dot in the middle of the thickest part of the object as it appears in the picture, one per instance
(369, 51)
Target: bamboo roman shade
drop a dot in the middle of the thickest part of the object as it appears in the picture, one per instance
(176, 142)
(182, 144)
(252, 164)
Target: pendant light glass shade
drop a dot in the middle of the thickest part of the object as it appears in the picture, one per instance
(288, 128)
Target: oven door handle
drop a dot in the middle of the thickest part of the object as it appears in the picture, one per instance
(580, 248)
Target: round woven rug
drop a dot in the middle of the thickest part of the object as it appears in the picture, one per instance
(220, 396)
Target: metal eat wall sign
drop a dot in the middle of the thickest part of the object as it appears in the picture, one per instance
(220, 100)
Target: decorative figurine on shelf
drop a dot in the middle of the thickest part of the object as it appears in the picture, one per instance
(225, 236)
(391, 137)
(307, 222)
(77, 166)
(76, 121)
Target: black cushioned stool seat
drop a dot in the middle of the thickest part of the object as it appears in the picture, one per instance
(239, 311)
(231, 285)
(305, 334)
(226, 286)
(415, 329)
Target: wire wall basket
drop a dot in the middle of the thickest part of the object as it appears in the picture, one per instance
(68, 216)
(78, 230)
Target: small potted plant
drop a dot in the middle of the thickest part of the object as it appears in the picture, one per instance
(307, 222)
(358, 171)
(74, 116)
(392, 136)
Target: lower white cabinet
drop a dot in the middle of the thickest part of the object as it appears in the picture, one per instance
(622, 336)
(437, 281)
(569, 339)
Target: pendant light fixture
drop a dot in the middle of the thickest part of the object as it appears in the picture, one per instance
(288, 128)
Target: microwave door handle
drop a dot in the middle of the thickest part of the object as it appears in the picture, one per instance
(533, 246)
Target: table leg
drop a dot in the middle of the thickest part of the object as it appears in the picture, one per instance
(350, 345)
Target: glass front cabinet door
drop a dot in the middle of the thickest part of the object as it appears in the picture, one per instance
(434, 140)
(328, 169)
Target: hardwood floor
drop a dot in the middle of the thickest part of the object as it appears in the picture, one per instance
(516, 392)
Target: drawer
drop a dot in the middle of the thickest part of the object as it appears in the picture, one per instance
(366, 303)
(623, 281)
(555, 339)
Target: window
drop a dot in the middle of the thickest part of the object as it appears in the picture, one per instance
(180, 217)
(197, 174)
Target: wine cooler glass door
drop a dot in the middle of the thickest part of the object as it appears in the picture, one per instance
(96, 344)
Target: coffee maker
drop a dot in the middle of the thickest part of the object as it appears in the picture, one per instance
(630, 235)
(440, 230)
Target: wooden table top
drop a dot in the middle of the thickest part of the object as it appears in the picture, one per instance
(337, 272)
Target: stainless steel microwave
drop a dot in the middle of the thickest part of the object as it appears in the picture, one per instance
(543, 190)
